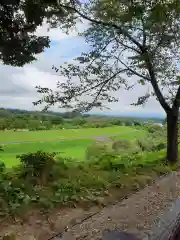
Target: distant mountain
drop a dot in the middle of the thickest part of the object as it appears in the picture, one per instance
(72, 114)
(132, 115)
(7, 111)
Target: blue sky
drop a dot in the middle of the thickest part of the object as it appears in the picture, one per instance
(17, 84)
(67, 48)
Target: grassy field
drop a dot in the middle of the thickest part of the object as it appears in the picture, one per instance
(11, 136)
(67, 148)
(74, 148)
(129, 136)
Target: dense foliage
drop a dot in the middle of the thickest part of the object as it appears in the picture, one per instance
(33, 121)
(19, 20)
(18, 23)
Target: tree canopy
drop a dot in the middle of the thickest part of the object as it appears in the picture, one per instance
(19, 20)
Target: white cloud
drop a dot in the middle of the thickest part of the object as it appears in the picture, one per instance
(53, 34)
(56, 34)
(31, 77)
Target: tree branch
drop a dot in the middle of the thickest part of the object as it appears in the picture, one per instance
(98, 93)
(99, 53)
(102, 83)
(155, 86)
(144, 32)
(128, 47)
(119, 28)
(134, 72)
(160, 41)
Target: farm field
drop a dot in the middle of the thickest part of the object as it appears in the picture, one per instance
(53, 135)
(129, 136)
(74, 148)
(66, 148)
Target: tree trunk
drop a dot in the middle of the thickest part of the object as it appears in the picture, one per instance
(172, 137)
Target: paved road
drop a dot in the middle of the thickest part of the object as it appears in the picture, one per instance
(77, 138)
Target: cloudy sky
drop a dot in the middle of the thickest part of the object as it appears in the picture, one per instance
(17, 85)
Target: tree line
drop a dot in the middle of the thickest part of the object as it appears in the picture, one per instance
(21, 119)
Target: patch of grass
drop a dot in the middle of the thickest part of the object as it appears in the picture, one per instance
(66, 148)
(10, 160)
(130, 136)
(10, 136)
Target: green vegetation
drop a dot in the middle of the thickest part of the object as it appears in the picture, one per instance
(55, 135)
(21, 120)
(130, 136)
(103, 171)
(76, 148)
(81, 172)
(66, 182)
(67, 148)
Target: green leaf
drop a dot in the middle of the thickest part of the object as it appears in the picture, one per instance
(141, 81)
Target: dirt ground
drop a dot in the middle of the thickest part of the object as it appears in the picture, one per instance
(136, 214)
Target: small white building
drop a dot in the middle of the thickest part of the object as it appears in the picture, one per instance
(159, 124)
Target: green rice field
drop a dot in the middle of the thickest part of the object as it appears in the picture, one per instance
(53, 135)
(69, 147)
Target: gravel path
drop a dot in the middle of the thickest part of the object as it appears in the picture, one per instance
(136, 214)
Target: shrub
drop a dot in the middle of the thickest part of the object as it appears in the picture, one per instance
(121, 145)
(38, 165)
(151, 144)
(13, 191)
(154, 128)
(145, 144)
(125, 146)
(95, 150)
(160, 146)
(111, 162)
(2, 167)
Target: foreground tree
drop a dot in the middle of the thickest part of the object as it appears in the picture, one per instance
(19, 20)
(132, 38)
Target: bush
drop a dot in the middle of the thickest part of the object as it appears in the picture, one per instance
(154, 128)
(13, 191)
(110, 161)
(2, 167)
(145, 144)
(125, 146)
(1, 148)
(151, 144)
(160, 146)
(38, 165)
(95, 150)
